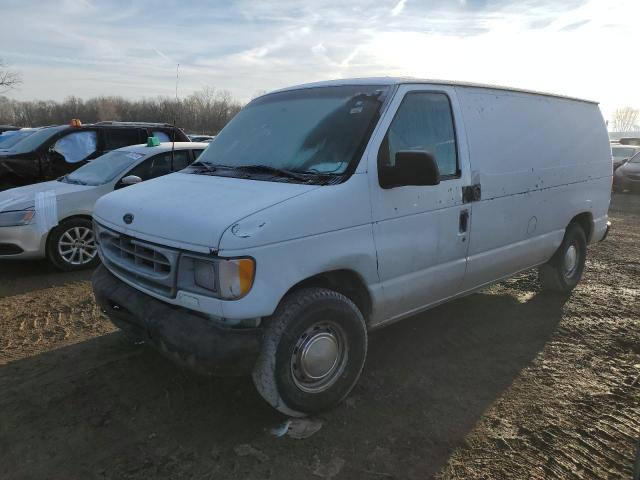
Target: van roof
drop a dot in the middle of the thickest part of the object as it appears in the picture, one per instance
(406, 80)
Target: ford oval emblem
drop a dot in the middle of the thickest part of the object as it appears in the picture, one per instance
(128, 218)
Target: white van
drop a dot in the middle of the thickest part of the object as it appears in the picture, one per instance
(325, 210)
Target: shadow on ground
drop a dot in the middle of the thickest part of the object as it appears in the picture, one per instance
(105, 409)
(23, 276)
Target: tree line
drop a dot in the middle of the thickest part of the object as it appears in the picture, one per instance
(205, 111)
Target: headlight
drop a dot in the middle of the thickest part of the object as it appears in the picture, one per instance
(16, 217)
(229, 279)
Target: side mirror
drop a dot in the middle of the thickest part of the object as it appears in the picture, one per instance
(130, 180)
(413, 167)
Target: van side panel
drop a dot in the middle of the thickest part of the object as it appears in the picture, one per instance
(539, 161)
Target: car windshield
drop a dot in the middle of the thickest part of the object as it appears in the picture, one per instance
(623, 151)
(33, 141)
(313, 131)
(103, 169)
(9, 139)
(635, 158)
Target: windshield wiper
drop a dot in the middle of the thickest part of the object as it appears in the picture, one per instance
(207, 167)
(269, 169)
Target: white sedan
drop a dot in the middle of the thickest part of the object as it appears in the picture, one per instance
(53, 219)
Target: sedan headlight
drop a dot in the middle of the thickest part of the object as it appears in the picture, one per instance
(16, 217)
(227, 278)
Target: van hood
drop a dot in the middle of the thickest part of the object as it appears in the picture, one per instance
(190, 211)
(20, 198)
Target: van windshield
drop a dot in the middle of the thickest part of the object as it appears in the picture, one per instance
(306, 133)
(33, 141)
(103, 169)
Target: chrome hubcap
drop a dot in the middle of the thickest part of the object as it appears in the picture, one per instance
(77, 246)
(570, 260)
(319, 357)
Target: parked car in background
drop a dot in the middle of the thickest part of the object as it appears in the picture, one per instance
(62, 230)
(9, 138)
(630, 141)
(622, 153)
(54, 151)
(201, 138)
(8, 128)
(627, 176)
(323, 211)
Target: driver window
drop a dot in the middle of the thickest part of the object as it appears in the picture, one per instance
(423, 122)
(153, 167)
(76, 146)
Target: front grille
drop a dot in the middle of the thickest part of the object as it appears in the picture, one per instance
(149, 265)
(634, 176)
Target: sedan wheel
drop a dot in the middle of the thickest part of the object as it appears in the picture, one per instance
(77, 246)
(72, 245)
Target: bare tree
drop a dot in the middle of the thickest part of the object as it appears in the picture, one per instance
(625, 119)
(8, 78)
(204, 111)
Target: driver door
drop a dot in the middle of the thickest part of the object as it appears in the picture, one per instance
(421, 232)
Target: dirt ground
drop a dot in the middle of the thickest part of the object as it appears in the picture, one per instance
(506, 383)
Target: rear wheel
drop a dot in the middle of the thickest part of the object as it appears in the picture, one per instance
(313, 352)
(72, 245)
(563, 272)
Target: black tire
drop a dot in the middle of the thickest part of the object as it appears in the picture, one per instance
(560, 274)
(60, 241)
(311, 315)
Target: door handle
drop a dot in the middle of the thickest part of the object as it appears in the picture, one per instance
(464, 221)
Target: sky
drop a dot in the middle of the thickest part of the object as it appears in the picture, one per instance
(582, 48)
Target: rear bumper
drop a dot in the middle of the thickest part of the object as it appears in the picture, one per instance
(187, 338)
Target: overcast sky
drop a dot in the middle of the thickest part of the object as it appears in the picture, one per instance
(584, 48)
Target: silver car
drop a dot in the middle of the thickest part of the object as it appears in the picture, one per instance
(53, 219)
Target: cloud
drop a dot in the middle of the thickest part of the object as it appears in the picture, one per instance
(574, 26)
(397, 10)
(116, 47)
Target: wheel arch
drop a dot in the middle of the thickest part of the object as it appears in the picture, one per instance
(347, 282)
(83, 216)
(585, 221)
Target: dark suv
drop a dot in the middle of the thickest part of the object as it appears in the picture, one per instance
(51, 152)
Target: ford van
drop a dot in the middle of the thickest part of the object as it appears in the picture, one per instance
(326, 210)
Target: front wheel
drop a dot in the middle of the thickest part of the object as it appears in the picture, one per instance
(563, 272)
(313, 352)
(72, 245)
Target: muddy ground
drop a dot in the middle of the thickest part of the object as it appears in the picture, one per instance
(506, 383)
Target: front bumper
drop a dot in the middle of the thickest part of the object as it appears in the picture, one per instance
(22, 242)
(187, 338)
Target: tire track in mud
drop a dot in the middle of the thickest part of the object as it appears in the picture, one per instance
(48, 318)
(578, 404)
